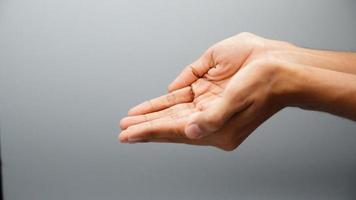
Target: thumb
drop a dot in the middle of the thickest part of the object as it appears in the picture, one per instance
(209, 120)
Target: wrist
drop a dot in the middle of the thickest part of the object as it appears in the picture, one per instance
(318, 89)
(286, 84)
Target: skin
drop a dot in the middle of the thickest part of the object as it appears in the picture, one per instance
(236, 85)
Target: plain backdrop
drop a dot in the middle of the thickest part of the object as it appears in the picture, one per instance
(70, 69)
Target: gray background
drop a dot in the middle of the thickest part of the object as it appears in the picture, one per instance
(70, 69)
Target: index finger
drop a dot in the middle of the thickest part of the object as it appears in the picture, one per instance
(184, 95)
(193, 72)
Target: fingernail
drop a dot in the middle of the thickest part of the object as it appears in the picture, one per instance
(194, 131)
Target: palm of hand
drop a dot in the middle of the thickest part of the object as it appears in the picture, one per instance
(164, 119)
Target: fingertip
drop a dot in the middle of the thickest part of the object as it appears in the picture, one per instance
(131, 112)
(136, 110)
(123, 123)
(185, 78)
(123, 137)
(173, 86)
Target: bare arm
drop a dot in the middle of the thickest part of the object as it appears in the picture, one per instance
(320, 89)
(239, 83)
(333, 60)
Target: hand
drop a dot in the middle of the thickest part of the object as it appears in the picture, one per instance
(209, 103)
(236, 85)
(225, 116)
(224, 59)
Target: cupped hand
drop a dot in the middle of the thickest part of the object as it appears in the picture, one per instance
(218, 100)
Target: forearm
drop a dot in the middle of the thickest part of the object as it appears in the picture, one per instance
(336, 61)
(320, 89)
